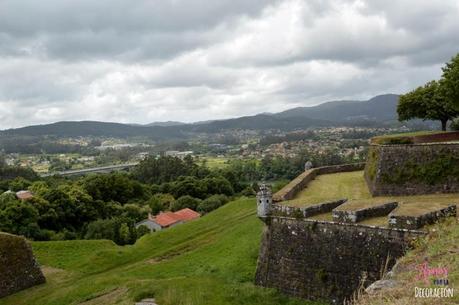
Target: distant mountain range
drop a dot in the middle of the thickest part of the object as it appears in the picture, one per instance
(165, 124)
(380, 108)
(378, 111)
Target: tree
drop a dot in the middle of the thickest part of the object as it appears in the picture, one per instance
(427, 102)
(19, 218)
(124, 234)
(449, 83)
(455, 125)
(218, 185)
(212, 203)
(185, 202)
(189, 186)
(160, 202)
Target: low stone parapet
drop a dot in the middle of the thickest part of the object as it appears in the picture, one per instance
(415, 222)
(304, 212)
(343, 215)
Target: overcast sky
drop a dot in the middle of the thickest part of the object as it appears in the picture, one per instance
(188, 60)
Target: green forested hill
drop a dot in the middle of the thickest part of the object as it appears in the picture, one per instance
(377, 111)
(209, 261)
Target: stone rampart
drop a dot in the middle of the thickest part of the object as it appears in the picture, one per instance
(413, 169)
(289, 191)
(308, 211)
(416, 222)
(326, 260)
(363, 213)
(18, 268)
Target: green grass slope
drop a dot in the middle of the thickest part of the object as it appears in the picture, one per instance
(208, 261)
(439, 249)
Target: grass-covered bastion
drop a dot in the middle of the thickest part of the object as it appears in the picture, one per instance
(334, 229)
(413, 164)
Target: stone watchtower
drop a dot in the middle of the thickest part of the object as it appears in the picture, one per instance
(264, 202)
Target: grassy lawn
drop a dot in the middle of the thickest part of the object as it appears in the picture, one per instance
(209, 261)
(351, 185)
(214, 163)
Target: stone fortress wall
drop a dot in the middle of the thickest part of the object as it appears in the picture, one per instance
(330, 260)
(326, 260)
(18, 268)
(413, 169)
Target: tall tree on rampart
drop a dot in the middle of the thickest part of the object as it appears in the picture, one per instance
(427, 102)
(449, 83)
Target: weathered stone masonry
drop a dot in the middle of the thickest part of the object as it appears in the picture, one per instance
(18, 268)
(413, 169)
(326, 260)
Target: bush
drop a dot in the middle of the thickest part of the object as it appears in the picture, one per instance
(142, 230)
(212, 203)
(120, 230)
(218, 185)
(189, 186)
(19, 184)
(248, 192)
(185, 202)
(160, 202)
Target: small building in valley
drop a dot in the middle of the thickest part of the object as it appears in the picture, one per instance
(168, 219)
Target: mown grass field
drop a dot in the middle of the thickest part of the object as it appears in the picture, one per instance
(351, 185)
(210, 261)
(214, 163)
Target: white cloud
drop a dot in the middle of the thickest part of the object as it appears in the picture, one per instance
(199, 60)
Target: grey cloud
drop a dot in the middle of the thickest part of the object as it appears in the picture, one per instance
(125, 30)
(143, 61)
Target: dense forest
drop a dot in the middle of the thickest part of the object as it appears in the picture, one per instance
(108, 205)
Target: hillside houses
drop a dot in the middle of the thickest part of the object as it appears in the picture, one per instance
(168, 219)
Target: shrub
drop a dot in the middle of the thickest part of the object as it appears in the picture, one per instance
(185, 202)
(142, 230)
(160, 202)
(120, 230)
(248, 192)
(212, 203)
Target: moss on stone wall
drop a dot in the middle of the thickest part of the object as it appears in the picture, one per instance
(372, 163)
(437, 171)
(413, 169)
(18, 267)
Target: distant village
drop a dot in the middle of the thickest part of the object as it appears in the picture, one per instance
(349, 142)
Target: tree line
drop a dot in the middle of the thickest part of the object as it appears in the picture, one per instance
(108, 205)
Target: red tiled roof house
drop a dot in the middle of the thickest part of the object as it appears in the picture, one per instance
(24, 195)
(168, 219)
